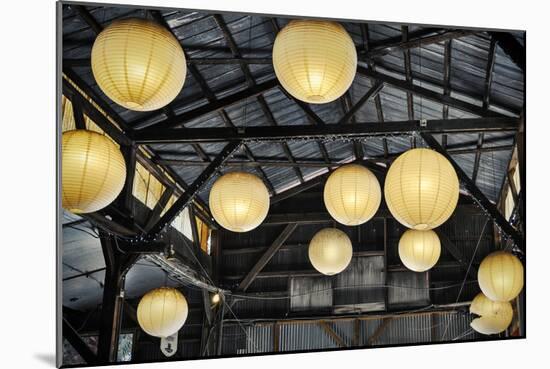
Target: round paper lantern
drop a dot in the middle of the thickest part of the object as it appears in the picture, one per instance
(352, 194)
(330, 251)
(138, 64)
(419, 250)
(239, 201)
(495, 316)
(500, 276)
(315, 61)
(421, 189)
(93, 171)
(162, 312)
(488, 325)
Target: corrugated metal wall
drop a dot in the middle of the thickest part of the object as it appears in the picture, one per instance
(310, 335)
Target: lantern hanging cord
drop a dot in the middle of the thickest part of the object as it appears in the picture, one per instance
(464, 334)
(207, 276)
(349, 287)
(468, 270)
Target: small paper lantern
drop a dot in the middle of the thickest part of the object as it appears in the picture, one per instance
(421, 189)
(330, 251)
(495, 316)
(352, 194)
(93, 171)
(419, 250)
(138, 64)
(315, 61)
(239, 201)
(500, 276)
(162, 312)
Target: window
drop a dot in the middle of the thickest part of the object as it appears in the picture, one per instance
(509, 203)
(147, 188)
(69, 123)
(181, 222)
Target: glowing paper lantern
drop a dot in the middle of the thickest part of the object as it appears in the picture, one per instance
(239, 201)
(421, 189)
(138, 64)
(419, 250)
(315, 61)
(93, 171)
(352, 194)
(500, 276)
(330, 251)
(162, 312)
(495, 316)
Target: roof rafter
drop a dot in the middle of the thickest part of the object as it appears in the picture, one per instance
(358, 130)
(426, 93)
(190, 193)
(476, 193)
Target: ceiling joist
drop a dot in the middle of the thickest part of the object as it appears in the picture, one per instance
(330, 131)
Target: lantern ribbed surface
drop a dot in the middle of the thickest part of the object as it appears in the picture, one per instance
(495, 316)
(421, 189)
(162, 312)
(93, 171)
(352, 194)
(419, 250)
(330, 251)
(138, 64)
(315, 61)
(500, 276)
(239, 201)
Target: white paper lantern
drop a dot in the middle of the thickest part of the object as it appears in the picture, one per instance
(330, 251)
(93, 171)
(419, 250)
(138, 64)
(500, 276)
(421, 189)
(315, 61)
(239, 201)
(352, 194)
(162, 312)
(495, 316)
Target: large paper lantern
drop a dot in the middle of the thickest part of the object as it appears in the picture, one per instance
(500, 276)
(315, 61)
(162, 312)
(352, 194)
(419, 250)
(239, 201)
(138, 64)
(330, 251)
(494, 316)
(93, 171)
(421, 189)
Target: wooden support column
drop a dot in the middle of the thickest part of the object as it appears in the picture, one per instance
(219, 333)
(126, 198)
(117, 265)
(356, 332)
(276, 337)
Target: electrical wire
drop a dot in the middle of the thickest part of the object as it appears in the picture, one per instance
(467, 271)
(348, 287)
(464, 334)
